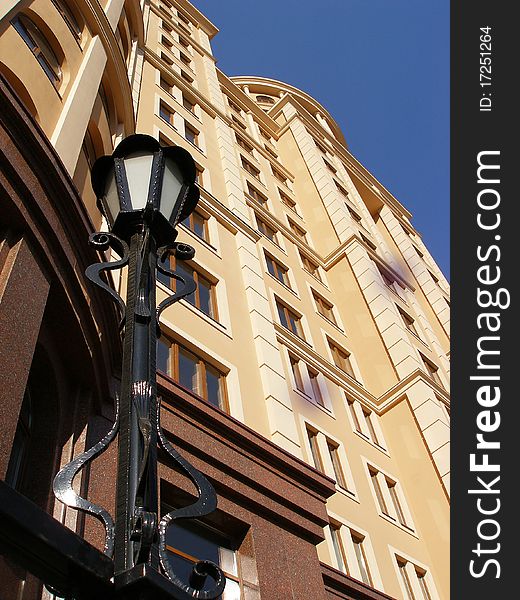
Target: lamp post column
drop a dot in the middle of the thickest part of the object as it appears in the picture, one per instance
(136, 494)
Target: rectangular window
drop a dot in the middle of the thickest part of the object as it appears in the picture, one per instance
(187, 78)
(354, 416)
(199, 177)
(289, 202)
(312, 436)
(243, 144)
(166, 59)
(289, 319)
(234, 106)
(277, 270)
(320, 146)
(310, 266)
(189, 542)
(432, 370)
(395, 501)
(378, 491)
(266, 229)
(353, 214)
(198, 224)
(166, 113)
(406, 580)
(361, 558)
(191, 134)
(408, 570)
(188, 104)
(330, 167)
(315, 386)
(255, 194)
(280, 176)
(251, 169)
(186, 60)
(341, 359)
(166, 85)
(368, 420)
(166, 42)
(336, 464)
(408, 321)
(341, 189)
(368, 242)
(204, 297)
(295, 368)
(238, 122)
(184, 43)
(298, 231)
(337, 545)
(324, 308)
(193, 372)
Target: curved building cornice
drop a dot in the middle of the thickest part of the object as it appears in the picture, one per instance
(273, 87)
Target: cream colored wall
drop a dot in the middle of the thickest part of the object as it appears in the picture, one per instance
(248, 341)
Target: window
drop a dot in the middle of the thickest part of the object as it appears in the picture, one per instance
(192, 372)
(324, 307)
(191, 134)
(243, 144)
(69, 17)
(336, 464)
(341, 189)
(188, 104)
(199, 179)
(310, 266)
(166, 85)
(280, 176)
(187, 78)
(166, 113)
(39, 46)
(435, 279)
(361, 558)
(198, 224)
(312, 436)
(265, 99)
(265, 135)
(254, 193)
(315, 386)
(270, 152)
(234, 106)
(289, 319)
(419, 253)
(298, 231)
(166, 42)
(166, 27)
(289, 202)
(337, 545)
(389, 497)
(414, 580)
(251, 169)
(20, 447)
(183, 18)
(204, 297)
(320, 146)
(353, 562)
(330, 167)
(184, 43)
(341, 359)
(166, 59)
(238, 122)
(266, 229)
(368, 242)
(189, 542)
(365, 422)
(295, 368)
(432, 370)
(408, 321)
(186, 60)
(354, 215)
(277, 270)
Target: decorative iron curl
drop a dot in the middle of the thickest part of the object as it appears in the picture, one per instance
(62, 485)
(102, 241)
(204, 505)
(183, 252)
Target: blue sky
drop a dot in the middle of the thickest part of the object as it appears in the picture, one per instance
(380, 67)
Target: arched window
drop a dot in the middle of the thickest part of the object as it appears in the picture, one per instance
(39, 46)
(69, 17)
(20, 448)
(265, 99)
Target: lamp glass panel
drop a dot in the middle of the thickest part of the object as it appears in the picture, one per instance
(172, 184)
(138, 168)
(111, 198)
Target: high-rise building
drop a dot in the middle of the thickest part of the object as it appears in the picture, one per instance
(308, 375)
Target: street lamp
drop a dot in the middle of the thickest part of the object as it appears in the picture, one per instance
(144, 190)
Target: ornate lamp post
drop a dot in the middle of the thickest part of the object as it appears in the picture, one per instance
(143, 190)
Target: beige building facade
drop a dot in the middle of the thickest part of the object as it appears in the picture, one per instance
(321, 320)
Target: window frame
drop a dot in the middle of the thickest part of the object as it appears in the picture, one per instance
(288, 314)
(280, 272)
(324, 307)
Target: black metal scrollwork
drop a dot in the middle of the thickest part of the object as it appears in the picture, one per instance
(204, 505)
(102, 241)
(183, 252)
(62, 485)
